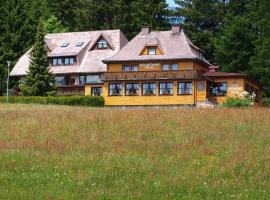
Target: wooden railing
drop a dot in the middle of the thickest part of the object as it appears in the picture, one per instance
(67, 90)
(150, 75)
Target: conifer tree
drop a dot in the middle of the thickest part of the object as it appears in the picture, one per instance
(38, 81)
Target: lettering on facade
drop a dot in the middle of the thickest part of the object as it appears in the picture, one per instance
(235, 89)
(150, 65)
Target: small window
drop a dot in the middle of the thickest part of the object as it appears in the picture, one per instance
(166, 88)
(152, 50)
(185, 88)
(201, 86)
(60, 80)
(134, 68)
(218, 89)
(102, 44)
(79, 44)
(149, 89)
(174, 66)
(82, 80)
(59, 61)
(165, 67)
(115, 89)
(125, 68)
(96, 91)
(64, 45)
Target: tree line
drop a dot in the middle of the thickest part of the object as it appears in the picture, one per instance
(235, 34)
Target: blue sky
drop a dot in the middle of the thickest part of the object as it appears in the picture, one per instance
(171, 3)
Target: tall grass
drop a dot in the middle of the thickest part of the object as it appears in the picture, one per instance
(57, 152)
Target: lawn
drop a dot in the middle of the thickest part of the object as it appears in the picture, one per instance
(59, 152)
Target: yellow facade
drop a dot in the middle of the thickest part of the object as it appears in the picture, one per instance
(200, 88)
(124, 100)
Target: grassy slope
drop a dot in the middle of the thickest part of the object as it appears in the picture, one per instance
(54, 152)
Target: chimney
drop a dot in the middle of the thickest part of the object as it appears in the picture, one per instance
(213, 68)
(176, 29)
(145, 30)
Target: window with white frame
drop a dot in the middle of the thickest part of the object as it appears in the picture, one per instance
(185, 88)
(115, 89)
(102, 44)
(166, 88)
(132, 89)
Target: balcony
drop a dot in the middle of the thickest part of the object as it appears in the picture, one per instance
(69, 90)
(150, 75)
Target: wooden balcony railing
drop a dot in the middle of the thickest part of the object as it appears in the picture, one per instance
(149, 75)
(68, 90)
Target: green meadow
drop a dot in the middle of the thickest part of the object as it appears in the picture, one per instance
(60, 152)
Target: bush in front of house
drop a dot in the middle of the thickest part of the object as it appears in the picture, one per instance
(61, 100)
(242, 100)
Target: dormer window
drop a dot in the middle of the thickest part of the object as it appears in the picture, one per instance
(69, 61)
(152, 50)
(64, 45)
(102, 44)
(63, 61)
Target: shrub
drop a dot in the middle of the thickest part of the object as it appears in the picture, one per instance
(241, 100)
(61, 100)
(236, 102)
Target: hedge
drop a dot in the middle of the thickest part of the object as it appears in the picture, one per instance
(60, 100)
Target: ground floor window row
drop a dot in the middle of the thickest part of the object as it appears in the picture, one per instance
(150, 89)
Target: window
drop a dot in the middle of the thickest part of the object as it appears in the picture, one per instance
(165, 67)
(174, 66)
(64, 45)
(218, 89)
(132, 89)
(57, 61)
(60, 80)
(102, 44)
(82, 80)
(54, 62)
(201, 86)
(93, 79)
(127, 68)
(149, 89)
(166, 88)
(96, 91)
(185, 88)
(134, 68)
(79, 44)
(152, 50)
(115, 89)
(69, 61)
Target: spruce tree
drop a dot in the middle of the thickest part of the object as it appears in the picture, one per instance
(38, 81)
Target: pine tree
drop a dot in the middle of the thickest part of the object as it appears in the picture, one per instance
(234, 47)
(203, 20)
(38, 81)
(261, 58)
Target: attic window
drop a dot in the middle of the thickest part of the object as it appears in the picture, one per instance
(152, 50)
(64, 45)
(102, 44)
(79, 44)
